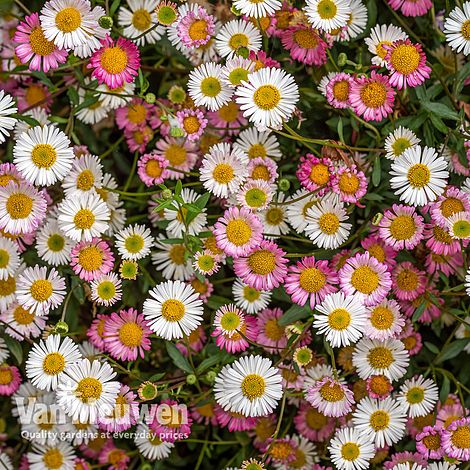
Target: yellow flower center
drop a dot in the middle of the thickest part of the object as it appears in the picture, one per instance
(236, 76)
(348, 184)
(53, 458)
(175, 154)
(379, 384)
(211, 87)
(461, 437)
(89, 389)
(253, 386)
(238, 232)
(137, 113)
(34, 94)
(251, 294)
(326, 9)
(374, 94)
(403, 227)
(262, 262)
(19, 206)
(407, 280)
(377, 252)
(68, 19)
(451, 206)
(441, 235)
(381, 318)
(7, 286)
(223, 173)
(419, 175)
(255, 198)
(114, 60)
(273, 330)
(238, 40)
(466, 30)
(380, 50)
(173, 310)
(53, 363)
(198, 30)
(130, 334)
(315, 420)
(350, 451)
(257, 150)
(306, 39)
(45, 421)
(365, 280)
(4, 258)
(84, 219)
(432, 442)
(415, 395)
(341, 90)
(267, 97)
(461, 229)
(281, 450)
(274, 216)
(134, 243)
(85, 180)
(106, 290)
(312, 279)
(400, 145)
(229, 112)
(44, 156)
(23, 316)
(332, 392)
(230, 321)
(141, 19)
(260, 172)
(39, 44)
(320, 174)
(90, 258)
(405, 59)
(177, 253)
(380, 357)
(379, 420)
(329, 223)
(339, 319)
(6, 179)
(6, 375)
(191, 124)
(41, 290)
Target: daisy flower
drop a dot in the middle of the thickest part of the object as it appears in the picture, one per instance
(250, 386)
(150, 445)
(350, 183)
(206, 88)
(223, 170)
(398, 141)
(91, 259)
(350, 449)
(235, 71)
(383, 35)
(419, 175)
(264, 169)
(408, 281)
(428, 443)
(264, 268)
(237, 34)
(315, 174)
(458, 225)
(451, 202)
(48, 360)
(310, 281)
(192, 122)
(357, 21)
(378, 386)
(268, 98)
(9, 258)
(411, 7)
(181, 155)
(68, 23)
(106, 289)
(258, 144)
(341, 319)
(377, 248)
(418, 396)
(86, 390)
(255, 195)
(42, 54)
(10, 379)
(227, 118)
(173, 309)
(195, 28)
(176, 422)
(259, 9)
(384, 320)
(57, 456)
(39, 291)
(21, 323)
(116, 62)
(125, 413)
(206, 263)
(86, 174)
(249, 299)
(325, 224)
(374, 357)
(328, 15)
(134, 242)
(172, 260)
(52, 246)
(455, 440)
(331, 397)
(373, 98)
(271, 335)
(83, 217)
(457, 28)
(305, 45)
(297, 208)
(337, 90)
(86, 49)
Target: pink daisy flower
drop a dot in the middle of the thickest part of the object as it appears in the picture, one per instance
(331, 397)
(310, 280)
(378, 386)
(411, 339)
(262, 168)
(196, 27)
(439, 240)
(95, 332)
(312, 424)
(180, 153)
(138, 139)
(407, 64)
(452, 202)
(126, 335)
(384, 320)
(116, 62)
(450, 413)
(401, 227)
(373, 98)
(408, 281)
(315, 173)
(377, 248)
(204, 414)
(151, 169)
(238, 232)
(366, 278)
(177, 421)
(231, 327)
(134, 115)
(406, 457)
(11, 380)
(271, 335)
(227, 119)
(338, 89)
(33, 94)
(286, 455)
(255, 195)
(411, 7)
(35, 48)
(91, 259)
(195, 341)
(193, 122)
(234, 421)
(262, 60)
(455, 440)
(113, 456)
(264, 268)
(447, 264)
(428, 443)
(125, 413)
(304, 45)
(350, 183)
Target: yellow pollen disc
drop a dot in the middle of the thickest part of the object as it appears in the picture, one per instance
(44, 156)
(7, 286)
(419, 175)
(461, 437)
(329, 223)
(339, 319)
(365, 280)
(380, 50)
(257, 150)
(274, 216)
(379, 420)
(68, 19)
(403, 227)
(238, 40)
(379, 384)
(106, 290)
(273, 330)
(348, 184)
(130, 334)
(4, 258)
(400, 145)
(223, 173)
(441, 235)
(198, 30)
(53, 363)
(39, 44)
(89, 389)
(255, 198)
(320, 174)
(374, 94)
(253, 386)
(432, 442)
(341, 90)
(177, 253)
(461, 229)
(238, 232)
(200, 288)
(90, 258)
(141, 19)
(19, 206)
(211, 245)
(137, 113)
(191, 124)
(380, 358)
(134, 243)
(350, 451)
(6, 179)
(175, 154)
(407, 280)
(153, 169)
(262, 262)
(381, 318)
(84, 219)
(211, 87)
(312, 279)
(23, 316)
(173, 310)
(451, 206)
(326, 9)
(267, 97)
(405, 59)
(281, 450)
(306, 38)
(466, 30)
(315, 420)
(34, 94)
(229, 112)
(230, 321)
(41, 290)
(332, 392)
(415, 395)
(377, 252)
(113, 60)
(53, 459)
(260, 172)
(251, 294)
(6, 375)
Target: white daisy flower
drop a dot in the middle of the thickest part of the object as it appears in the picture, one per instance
(206, 87)
(173, 309)
(92, 113)
(172, 260)
(268, 97)
(9, 258)
(58, 456)
(398, 141)
(457, 29)
(351, 450)
(297, 208)
(93, 43)
(84, 216)
(384, 320)
(418, 396)
(257, 9)
(150, 445)
(4, 351)
(90, 352)
(38, 113)
(113, 98)
(139, 22)
(274, 218)
(236, 70)
(458, 225)
(223, 170)
(382, 420)
(86, 174)
(467, 282)
(39, 291)
(326, 225)
(134, 242)
(237, 34)
(249, 299)
(441, 466)
(7, 108)
(8, 290)
(5, 461)
(419, 175)
(328, 15)
(68, 23)
(21, 323)
(86, 390)
(250, 386)
(258, 144)
(106, 289)
(52, 246)
(27, 393)
(357, 21)
(255, 195)
(373, 357)
(341, 319)
(381, 35)
(48, 360)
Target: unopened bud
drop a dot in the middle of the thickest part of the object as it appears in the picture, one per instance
(342, 58)
(150, 98)
(210, 376)
(61, 328)
(283, 184)
(167, 194)
(191, 379)
(106, 22)
(176, 132)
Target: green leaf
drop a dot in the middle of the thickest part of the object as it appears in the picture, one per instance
(432, 347)
(452, 350)
(216, 301)
(85, 103)
(339, 128)
(178, 359)
(376, 172)
(221, 356)
(296, 312)
(178, 188)
(43, 78)
(27, 119)
(114, 7)
(445, 389)
(418, 312)
(440, 109)
(15, 348)
(202, 200)
(438, 123)
(59, 119)
(421, 93)
(72, 93)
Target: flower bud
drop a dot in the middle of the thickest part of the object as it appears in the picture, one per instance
(283, 184)
(342, 58)
(61, 328)
(167, 194)
(105, 22)
(191, 379)
(150, 98)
